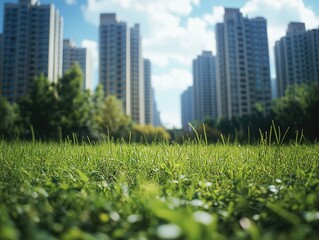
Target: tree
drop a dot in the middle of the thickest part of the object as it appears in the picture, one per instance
(299, 110)
(149, 134)
(39, 109)
(98, 105)
(114, 122)
(72, 102)
(8, 119)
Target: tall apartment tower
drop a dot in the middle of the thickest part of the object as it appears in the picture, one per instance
(297, 57)
(187, 102)
(243, 69)
(121, 64)
(115, 58)
(1, 63)
(156, 113)
(32, 44)
(204, 82)
(148, 93)
(137, 76)
(72, 55)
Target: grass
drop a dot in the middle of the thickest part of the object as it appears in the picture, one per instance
(158, 191)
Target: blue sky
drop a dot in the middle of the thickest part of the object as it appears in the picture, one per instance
(174, 32)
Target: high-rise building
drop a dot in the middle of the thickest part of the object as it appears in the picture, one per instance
(32, 44)
(242, 64)
(156, 114)
(137, 76)
(187, 102)
(273, 88)
(121, 64)
(1, 39)
(114, 62)
(148, 92)
(297, 57)
(204, 82)
(72, 55)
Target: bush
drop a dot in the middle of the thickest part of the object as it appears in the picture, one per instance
(149, 134)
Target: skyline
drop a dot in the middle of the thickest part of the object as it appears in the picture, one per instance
(174, 33)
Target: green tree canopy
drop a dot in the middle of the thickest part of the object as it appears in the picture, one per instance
(299, 110)
(73, 105)
(114, 122)
(39, 109)
(8, 118)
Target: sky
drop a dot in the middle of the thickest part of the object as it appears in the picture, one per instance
(174, 32)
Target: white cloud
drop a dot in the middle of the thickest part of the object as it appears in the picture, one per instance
(175, 79)
(278, 14)
(216, 15)
(179, 44)
(93, 52)
(171, 119)
(166, 38)
(70, 2)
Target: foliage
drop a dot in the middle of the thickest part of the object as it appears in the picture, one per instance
(73, 105)
(159, 191)
(8, 119)
(295, 114)
(55, 111)
(113, 121)
(149, 134)
(39, 109)
(299, 110)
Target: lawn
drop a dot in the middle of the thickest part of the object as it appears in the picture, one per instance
(158, 191)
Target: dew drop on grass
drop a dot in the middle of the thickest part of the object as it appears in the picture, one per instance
(197, 203)
(273, 189)
(245, 223)
(34, 195)
(115, 216)
(168, 231)
(134, 218)
(223, 213)
(182, 176)
(36, 219)
(311, 216)
(203, 217)
(125, 190)
(278, 180)
(208, 184)
(256, 217)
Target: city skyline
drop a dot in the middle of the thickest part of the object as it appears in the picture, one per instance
(176, 34)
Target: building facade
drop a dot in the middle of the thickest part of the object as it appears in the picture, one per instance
(121, 64)
(297, 57)
(242, 63)
(72, 55)
(148, 92)
(1, 52)
(32, 45)
(187, 106)
(137, 76)
(156, 113)
(204, 82)
(114, 59)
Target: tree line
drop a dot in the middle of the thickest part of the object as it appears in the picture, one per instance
(294, 116)
(55, 111)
